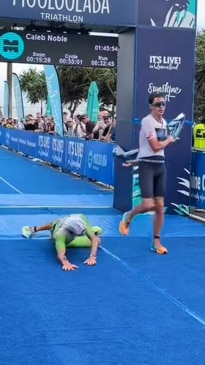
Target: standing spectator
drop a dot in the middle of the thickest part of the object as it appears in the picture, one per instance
(69, 127)
(30, 123)
(89, 127)
(199, 135)
(79, 127)
(109, 131)
(101, 124)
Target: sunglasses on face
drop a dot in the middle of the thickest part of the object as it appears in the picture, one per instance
(159, 104)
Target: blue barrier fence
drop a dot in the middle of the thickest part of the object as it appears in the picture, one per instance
(197, 180)
(91, 159)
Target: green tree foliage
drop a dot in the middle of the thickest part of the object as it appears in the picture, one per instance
(200, 77)
(107, 82)
(33, 83)
(74, 84)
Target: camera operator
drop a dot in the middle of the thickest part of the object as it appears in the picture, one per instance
(108, 134)
(79, 127)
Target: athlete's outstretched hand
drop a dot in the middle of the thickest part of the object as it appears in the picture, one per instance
(91, 261)
(130, 163)
(126, 164)
(67, 266)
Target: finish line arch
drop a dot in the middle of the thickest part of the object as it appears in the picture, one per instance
(156, 53)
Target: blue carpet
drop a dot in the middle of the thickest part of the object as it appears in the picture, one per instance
(133, 308)
(108, 219)
(42, 179)
(94, 315)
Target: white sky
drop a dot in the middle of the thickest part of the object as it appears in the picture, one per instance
(201, 14)
(18, 68)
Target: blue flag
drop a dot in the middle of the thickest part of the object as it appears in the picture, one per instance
(6, 100)
(18, 97)
(54, 96)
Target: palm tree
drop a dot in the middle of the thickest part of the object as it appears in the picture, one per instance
(33, 83)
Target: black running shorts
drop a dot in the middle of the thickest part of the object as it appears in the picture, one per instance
(152, 179)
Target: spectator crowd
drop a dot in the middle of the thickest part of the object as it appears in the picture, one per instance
(80, 126)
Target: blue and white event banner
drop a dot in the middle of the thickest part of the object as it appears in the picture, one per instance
(54, 95)
(92, 160)
(179, 14)
(18, 97)
(99, 12)
(6, 100)
(197, 180)
(163, 66)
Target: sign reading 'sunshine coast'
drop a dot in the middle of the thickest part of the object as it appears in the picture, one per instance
(106, 12)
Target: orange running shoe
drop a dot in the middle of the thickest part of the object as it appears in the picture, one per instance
(124, 226)
(161, 250)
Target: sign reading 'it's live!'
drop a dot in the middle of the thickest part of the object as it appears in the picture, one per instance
(166, 67)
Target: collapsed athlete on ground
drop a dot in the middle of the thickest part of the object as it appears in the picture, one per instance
(70, 231)
(153, 139)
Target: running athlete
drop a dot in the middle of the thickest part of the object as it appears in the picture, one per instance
(153, 139)
(70, 231)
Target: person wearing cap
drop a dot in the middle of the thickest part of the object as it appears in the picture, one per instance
(71, 231)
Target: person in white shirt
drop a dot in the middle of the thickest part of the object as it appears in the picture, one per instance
(153, 139)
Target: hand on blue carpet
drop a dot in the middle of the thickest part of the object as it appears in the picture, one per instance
(67, 266)
(91, 261)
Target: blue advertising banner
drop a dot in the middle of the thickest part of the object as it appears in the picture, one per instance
(23, 137)
(54, 95)
(168, 14)
(13, 140)
(18, 97)
(178, 158)
(164, 66)
(3, 135)
(44, 148)
(99, 164)
(98, 12)
(7, 137)
(28, 144)
(6, 100)
(95, 160)
(57, 154)
(75, 155)
(197, 180)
